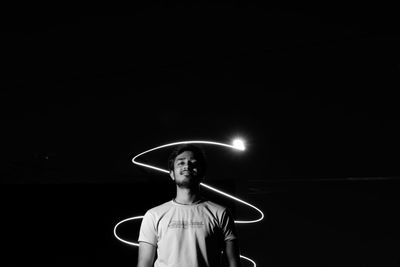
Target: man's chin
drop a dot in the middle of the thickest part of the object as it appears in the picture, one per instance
(187, 183)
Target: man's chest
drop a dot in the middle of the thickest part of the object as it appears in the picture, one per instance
(179, 225)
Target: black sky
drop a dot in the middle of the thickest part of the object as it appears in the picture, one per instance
(312, 89)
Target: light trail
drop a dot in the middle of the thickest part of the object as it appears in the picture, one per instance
(237, 144)
(121, 222)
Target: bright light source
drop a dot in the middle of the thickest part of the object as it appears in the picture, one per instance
(238, 144)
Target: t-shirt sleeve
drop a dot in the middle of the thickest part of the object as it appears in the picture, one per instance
(228, 226)
(148, 231)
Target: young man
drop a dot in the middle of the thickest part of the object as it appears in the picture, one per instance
(188, 231)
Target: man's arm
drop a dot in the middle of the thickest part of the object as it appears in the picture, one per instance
(232, 253)
(146, 254)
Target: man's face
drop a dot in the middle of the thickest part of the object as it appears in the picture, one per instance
(186, 171)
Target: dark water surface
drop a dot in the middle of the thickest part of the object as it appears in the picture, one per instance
(308, 223)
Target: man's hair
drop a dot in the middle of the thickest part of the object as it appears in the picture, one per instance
(198, 153)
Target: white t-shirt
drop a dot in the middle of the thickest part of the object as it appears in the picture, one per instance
(187, 235)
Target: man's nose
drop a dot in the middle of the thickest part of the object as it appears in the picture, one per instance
(188, 165)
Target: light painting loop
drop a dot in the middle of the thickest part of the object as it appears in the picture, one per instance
(238, 145)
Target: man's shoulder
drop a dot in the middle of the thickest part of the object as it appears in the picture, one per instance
(214, 206)
(160, 208)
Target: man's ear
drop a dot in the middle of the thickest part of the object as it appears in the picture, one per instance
(171, 174)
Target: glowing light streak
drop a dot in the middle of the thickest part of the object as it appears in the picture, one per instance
(121, 222)
(248, 259)
(174, 144)
(239, 200)
(238, 144)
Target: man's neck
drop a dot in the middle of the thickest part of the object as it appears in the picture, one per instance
(187, 196)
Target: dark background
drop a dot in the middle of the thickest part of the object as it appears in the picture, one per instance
(312, 89)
